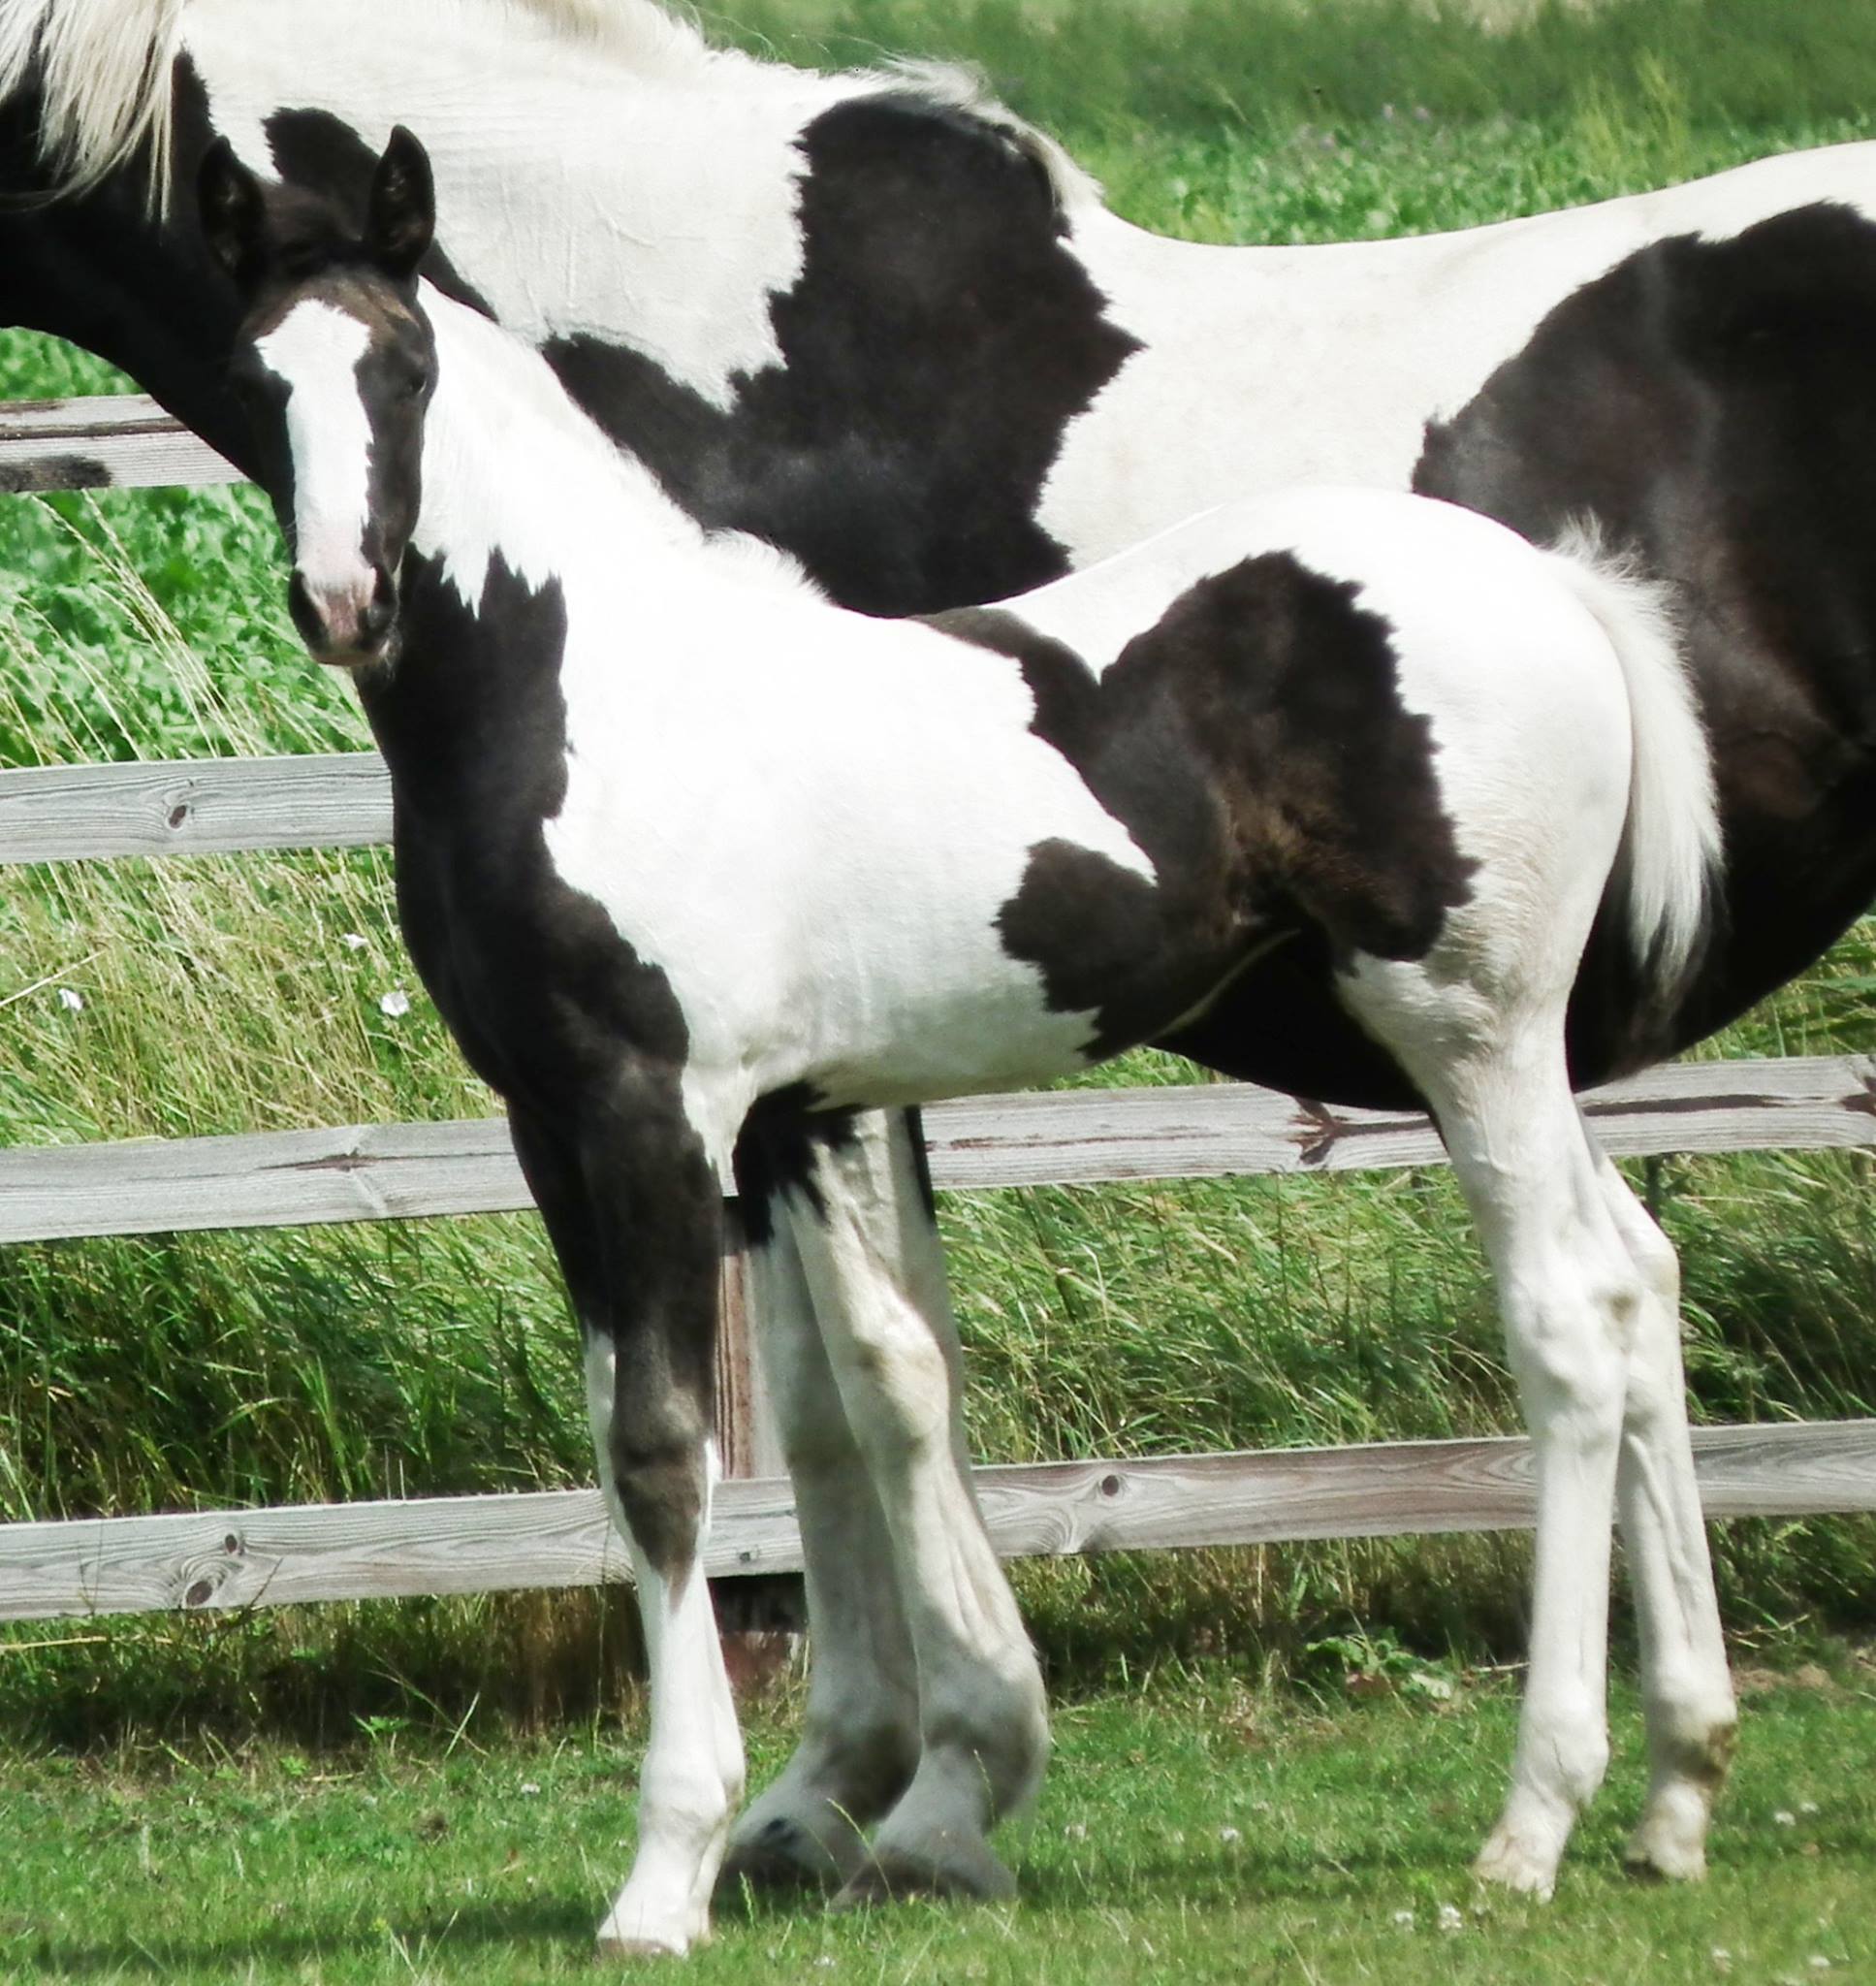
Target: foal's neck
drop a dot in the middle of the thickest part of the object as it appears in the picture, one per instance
(512, 466)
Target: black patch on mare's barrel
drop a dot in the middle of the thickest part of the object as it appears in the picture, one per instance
(940, 338)
(1253, 744)
(1713, 403)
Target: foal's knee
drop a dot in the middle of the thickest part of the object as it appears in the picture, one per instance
(661, 1478)
(1569, 1349)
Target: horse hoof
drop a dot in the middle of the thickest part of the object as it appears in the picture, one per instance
(1510, 1861)
(783, 1861)
(1658, 1853)
(954, 1872)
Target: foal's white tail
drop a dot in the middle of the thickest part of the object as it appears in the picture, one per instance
(1668, 869)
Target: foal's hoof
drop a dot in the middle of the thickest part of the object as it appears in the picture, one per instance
(784, 1858)
(613, 1947)
(1511, 1861)
(1667, 1846)
(957, 1872)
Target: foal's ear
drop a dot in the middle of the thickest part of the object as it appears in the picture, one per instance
(234, 210)
(401, 216)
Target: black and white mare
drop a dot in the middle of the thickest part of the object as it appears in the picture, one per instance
(874, 321)
(697, 865)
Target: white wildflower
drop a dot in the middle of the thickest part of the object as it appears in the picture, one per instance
(354, 941)
(72, 1002)
(1721, 1956)
(1807, 1806)
(395, 1005)
(1450, 1918)
(1404, 1919)
(1230, 1836)
(530, 1788)
(1784, 1817)
(1075, 1831)
(1818, 1963)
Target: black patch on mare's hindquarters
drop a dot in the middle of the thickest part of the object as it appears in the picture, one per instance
(554, 1008)
(1253, 744)
(940, 338)
(1713, 403)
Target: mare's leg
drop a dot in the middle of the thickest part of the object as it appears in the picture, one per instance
(869, 1248)
(1569, 1295)
(860, 1743)
(1686, 1691)
(635, 1212)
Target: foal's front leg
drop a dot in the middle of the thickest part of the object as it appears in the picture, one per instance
(859, 1744)
(870, 1252)
(635, 1210)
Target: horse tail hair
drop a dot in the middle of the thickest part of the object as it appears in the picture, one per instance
(103, 71)
(1668, 872)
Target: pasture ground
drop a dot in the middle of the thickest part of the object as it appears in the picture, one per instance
(1200, 1831)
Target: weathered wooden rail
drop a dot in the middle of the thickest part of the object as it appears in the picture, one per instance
(223, 1559)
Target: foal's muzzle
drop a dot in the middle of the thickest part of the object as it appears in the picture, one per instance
(345, 624)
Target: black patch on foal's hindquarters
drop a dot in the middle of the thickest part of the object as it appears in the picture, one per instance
(1253, 744)
(936, 345)
(555, 1010)
(1713, 403)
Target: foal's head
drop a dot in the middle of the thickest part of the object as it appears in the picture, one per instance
(335, 363)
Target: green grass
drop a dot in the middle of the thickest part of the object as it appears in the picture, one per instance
(230, 995)
(1197, 1832)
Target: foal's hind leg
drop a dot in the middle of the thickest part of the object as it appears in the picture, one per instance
(1568, 1294)
(635, 1213)
(860, 1745)
(1687, 1693)
(886, 1318)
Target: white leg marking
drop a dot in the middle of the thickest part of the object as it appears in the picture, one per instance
(691, 1780)
(1569, 1295)
(873, 1262)
(1686, 1691)
(860, 1743)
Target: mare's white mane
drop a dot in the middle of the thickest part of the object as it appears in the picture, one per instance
(104, 72)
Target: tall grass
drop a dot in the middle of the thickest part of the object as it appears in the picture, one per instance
(218, 995)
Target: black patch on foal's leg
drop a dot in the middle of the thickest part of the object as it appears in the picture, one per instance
(775, 1154)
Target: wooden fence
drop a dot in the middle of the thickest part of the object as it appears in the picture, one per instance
(357, 1172)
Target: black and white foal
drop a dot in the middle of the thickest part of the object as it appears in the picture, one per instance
(696, 864)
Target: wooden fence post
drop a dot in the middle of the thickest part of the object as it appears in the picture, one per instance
(761, 1618)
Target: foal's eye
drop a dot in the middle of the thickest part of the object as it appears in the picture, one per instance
(414, 386)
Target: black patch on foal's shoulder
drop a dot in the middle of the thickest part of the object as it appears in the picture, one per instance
(940, 338)
(552, 1006)
(1253, 744)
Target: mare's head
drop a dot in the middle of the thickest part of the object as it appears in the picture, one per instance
(335, 363)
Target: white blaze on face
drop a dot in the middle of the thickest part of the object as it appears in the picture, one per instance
(315, 350)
